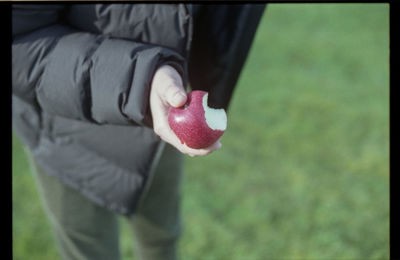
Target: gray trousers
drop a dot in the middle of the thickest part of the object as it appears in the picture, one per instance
(84, 230)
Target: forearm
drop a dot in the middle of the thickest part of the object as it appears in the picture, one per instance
(86, 76)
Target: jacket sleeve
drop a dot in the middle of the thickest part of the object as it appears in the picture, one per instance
(81, 75)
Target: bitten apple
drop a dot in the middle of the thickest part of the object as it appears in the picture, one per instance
(196, 124)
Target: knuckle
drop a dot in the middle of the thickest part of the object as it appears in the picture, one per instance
(167, 90)
(171, 89)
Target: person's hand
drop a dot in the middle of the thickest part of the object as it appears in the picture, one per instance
(166, 91)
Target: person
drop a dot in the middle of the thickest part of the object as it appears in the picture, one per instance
(91, 88)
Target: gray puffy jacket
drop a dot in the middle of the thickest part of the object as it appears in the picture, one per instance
(81, 79)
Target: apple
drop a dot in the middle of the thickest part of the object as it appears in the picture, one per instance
(196, 124)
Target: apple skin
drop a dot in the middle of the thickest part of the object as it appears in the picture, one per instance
(189, 122)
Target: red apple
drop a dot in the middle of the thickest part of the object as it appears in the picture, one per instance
(196, 124)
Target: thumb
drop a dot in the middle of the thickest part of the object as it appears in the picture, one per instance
(168, 84)
(175, 96)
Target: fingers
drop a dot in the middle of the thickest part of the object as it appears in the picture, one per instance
(202, 152)
(166, 91)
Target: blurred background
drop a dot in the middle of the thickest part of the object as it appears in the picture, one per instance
(304, 168)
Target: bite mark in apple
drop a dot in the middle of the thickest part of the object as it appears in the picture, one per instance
(216, 118)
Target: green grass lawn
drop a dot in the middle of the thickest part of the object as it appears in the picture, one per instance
(304, 168)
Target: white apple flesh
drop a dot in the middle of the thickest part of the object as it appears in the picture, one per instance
(195, 124)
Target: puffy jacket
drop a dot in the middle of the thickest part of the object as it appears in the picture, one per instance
(81, 78)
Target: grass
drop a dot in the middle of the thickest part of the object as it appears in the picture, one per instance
(304, 168)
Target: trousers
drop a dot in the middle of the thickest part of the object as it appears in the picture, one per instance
(86, 231)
